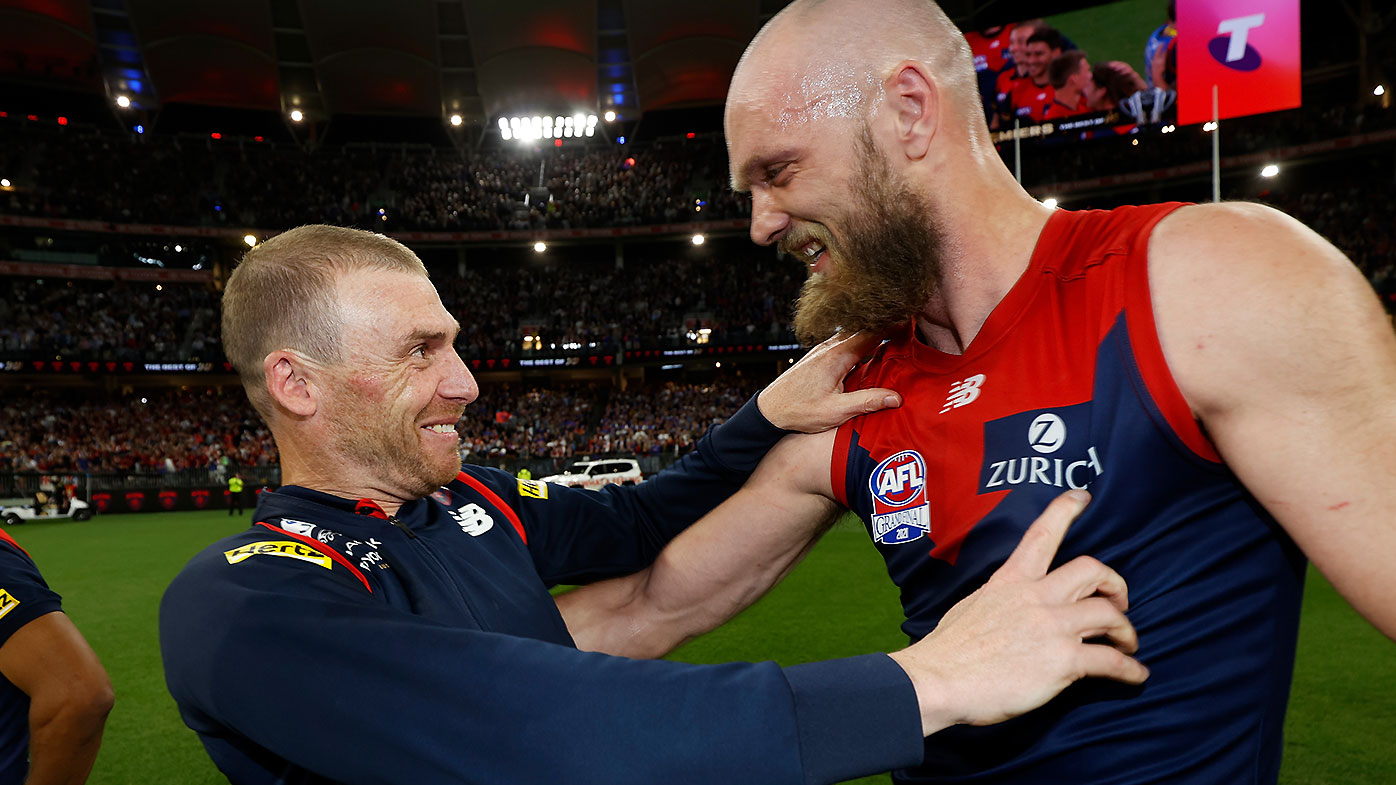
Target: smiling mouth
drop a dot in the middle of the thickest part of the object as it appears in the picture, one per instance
(441, 428)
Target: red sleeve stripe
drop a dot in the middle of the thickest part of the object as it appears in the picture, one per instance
(325, 549)
(493, 498)
(1148, 352)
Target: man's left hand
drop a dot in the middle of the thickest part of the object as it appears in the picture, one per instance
(809, 397)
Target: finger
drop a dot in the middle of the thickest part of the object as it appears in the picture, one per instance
(1085, 576)
(1038, 547)
(859, 344)
(1105, 662)
(871, 400)
(1095, 617)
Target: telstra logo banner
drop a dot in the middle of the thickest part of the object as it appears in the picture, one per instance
(1249, 49)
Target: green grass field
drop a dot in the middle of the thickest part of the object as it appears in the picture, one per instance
(112, 571)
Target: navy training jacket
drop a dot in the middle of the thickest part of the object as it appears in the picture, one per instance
(330, 643)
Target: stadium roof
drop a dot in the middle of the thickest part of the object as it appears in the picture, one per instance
(482, 59)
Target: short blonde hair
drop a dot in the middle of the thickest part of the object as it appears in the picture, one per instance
(282, 296)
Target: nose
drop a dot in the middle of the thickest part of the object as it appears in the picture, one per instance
(768, 222)
(456, 381)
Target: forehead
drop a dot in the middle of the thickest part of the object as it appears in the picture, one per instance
(779, 109)
(386, 305)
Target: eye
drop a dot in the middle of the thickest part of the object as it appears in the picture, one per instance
(420, 351)
(775, 172)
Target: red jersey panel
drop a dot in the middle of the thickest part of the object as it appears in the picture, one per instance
(1066, 386)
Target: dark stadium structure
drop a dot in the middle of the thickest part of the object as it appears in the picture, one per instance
(600, 266)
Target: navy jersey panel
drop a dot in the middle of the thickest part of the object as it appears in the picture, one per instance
(24, 597)
(331, 643)
(1068, 391)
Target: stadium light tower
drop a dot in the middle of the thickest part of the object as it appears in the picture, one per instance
(540, 247)
(456, 120)
(123, 101)
(297, 116)
(698, 239)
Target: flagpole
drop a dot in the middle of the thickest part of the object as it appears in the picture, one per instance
(1216, 148)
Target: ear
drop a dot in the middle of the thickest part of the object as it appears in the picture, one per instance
(915, 103)
(288, 380)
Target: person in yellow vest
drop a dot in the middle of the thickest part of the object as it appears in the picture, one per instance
(525, 474)
(235, 494)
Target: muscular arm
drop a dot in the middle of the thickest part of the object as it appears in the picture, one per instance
(717, 567)
(69, 697)
(1284, 354)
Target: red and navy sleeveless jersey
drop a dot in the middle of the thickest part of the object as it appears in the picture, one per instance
(1066, 386)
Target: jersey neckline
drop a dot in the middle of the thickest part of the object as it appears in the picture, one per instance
(1002, 318)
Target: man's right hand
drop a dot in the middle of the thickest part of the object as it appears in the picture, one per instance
(1018, 641)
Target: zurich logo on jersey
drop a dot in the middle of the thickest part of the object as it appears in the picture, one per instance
(901, 511)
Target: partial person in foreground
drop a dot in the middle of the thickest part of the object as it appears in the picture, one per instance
(1221, 378)
(54, 694)
(387, 616)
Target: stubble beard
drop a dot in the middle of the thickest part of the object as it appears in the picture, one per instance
(391, 457)
(887, 263)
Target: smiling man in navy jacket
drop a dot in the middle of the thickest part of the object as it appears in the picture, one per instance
(387, 617)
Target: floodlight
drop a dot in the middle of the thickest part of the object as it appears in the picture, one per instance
(1270, 170)
(610, 116)
(456, 120)
(540, 247)
(1051, 202)
(296, 116)
(123, 102)
(250, 239)
(697, 239)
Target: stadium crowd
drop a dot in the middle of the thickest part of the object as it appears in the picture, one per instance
(48, 319)
(593, 307)
(79, 173)
(62, 430)
(66, 172)
(177, 430)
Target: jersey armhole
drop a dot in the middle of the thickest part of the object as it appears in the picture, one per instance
(1158, 380)
(838, 464)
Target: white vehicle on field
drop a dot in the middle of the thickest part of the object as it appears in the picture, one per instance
(14, 514)
(594, 475)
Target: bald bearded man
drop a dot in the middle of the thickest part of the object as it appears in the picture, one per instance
(1220, 377)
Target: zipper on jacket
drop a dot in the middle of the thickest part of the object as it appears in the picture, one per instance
(394, 521)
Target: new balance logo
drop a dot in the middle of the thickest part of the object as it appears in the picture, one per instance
(963, 393)
(473, 519)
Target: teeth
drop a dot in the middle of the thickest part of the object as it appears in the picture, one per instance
(813, 250)
(442, 428)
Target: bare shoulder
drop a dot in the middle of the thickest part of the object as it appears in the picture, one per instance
(801, 463)
(1245, 296)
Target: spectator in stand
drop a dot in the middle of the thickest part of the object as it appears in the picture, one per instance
(1014, 72)
(1070, 75)
(1111, 82)
(990, 49)
(1031, 97)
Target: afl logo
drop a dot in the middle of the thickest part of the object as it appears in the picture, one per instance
(899, 480)
(1047, 433)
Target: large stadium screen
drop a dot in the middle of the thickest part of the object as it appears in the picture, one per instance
(1116, 68)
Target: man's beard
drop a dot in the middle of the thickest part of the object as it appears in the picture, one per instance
(885, 267)
(385, 451)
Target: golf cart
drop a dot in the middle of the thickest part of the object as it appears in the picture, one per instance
(16, 511)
